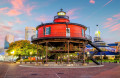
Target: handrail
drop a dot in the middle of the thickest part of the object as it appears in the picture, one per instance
(66, 17)
(62, 35)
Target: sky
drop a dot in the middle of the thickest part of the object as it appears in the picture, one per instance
(15, 15)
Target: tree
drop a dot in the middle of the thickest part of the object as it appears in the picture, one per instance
(23, 47)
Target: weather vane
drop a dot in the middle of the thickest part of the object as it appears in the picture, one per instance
(61, 9)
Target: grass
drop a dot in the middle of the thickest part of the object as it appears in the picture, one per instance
(104, 61)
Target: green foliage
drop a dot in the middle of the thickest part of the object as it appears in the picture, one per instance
(24, 48)
(117, 57)
(97, 58)
(105, 57)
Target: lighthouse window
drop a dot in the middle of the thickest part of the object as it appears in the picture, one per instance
(83, 33)
(47, 30)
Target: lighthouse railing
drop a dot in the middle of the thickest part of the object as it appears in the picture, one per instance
(62, 35)
(88, 37)
(56, 17)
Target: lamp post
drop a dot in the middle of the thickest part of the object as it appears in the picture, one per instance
(101, 57)
(12, 55)
(89, 30)
(88, 54)
(30, 57)
(119, 51)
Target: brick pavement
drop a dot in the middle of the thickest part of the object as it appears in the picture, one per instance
(15, 71)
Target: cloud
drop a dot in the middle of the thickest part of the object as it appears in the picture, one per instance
(92, 1)
(2, 10)
(18, 32)
(117, 16)
(44, 18)
(74, 17)
(18, 21)
(19, 38)
(107, 3)
(19, 7)
(71, 13)
(10, 24)
(13, 13)
(114, 29)
(17, 4)
(112, 23)
(109, 19)
(29, 9)
(115, 26)
(6, 28)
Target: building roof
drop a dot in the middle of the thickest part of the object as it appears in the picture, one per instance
(113, 44)
(2, 53)
(106, 53)
(59, 23)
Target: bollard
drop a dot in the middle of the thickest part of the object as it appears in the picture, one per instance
(20, 62)
(30, 62)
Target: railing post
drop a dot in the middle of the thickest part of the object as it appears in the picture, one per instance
(46, 50)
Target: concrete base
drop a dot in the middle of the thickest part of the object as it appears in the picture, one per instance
(69, 64)
(45, 64)
(37, 64)
(84, 64)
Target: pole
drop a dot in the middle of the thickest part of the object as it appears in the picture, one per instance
(68, 51)
(101, 57)
(30, 59)
(89, 31)
(46, 50)
(119, 56)
(83, 49)
(12, 58)
(83, 56)
(37, 54)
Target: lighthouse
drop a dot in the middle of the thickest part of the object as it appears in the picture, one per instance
(62, 37)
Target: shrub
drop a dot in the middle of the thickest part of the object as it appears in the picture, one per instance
(97, 58)
(117, 57)
(105, 57)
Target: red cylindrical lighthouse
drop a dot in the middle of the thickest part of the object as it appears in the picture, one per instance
(61, 36)
(61, 28)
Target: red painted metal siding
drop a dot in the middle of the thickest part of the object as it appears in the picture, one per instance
(59, 30)
(61, 20)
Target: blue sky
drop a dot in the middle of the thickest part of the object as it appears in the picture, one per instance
(15, 15)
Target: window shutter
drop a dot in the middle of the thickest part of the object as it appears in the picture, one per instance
(49, 30)
(43, 30)
(82, 32)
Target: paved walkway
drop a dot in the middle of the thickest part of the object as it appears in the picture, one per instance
(8, 70)
(112, 73)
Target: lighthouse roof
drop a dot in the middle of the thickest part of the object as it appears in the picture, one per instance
(60, 23)
(61, 13)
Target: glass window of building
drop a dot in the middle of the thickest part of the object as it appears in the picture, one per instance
(83, 32)
(47, 30)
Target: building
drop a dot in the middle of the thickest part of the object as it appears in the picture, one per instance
(67, 37)
(29, 32)
(115, 45)
(109, 50)
(8, 39)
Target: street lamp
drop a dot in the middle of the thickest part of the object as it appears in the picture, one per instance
(30, 57)
(89, 30)
(12, 55)
(88, 54)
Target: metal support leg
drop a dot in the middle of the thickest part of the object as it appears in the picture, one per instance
(46, 51)
(68, 51)
(37, 55)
